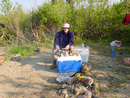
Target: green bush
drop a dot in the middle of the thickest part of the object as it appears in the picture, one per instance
(23, 50)
(94, 20)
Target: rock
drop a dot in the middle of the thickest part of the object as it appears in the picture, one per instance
(74, 96)
(66, 96)
(70, 95)
(69, 90)
(96, 95)
(83, 96)
(90, 81)
(60, 91)
(88, 94)
(87, 81)
(72, 80)
(76, 89)
(64, 85)
(64, 91)
(84, 89)
(103, 87)
(95, 87)
(2, 59)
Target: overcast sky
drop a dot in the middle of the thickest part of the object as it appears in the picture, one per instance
(29, 4)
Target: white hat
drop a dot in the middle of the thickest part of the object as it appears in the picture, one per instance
(66, 25)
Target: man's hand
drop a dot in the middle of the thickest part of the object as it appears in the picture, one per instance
(57, 47)
(67, 47)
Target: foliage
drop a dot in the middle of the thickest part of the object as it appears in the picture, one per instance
(89, 19)
(23, 50)
(6, 6)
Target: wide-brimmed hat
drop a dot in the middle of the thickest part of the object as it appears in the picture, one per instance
(66, 25)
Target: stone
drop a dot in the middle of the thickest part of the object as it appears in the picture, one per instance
(90, 81)
(64, 85)
(88, 94)
(83, 96)
(2, 59)
(76, 89)
(60, 91)
(96, 95)
(72, 80)
(64, 91)
(87, 81)
(84, 88)
(95, 87)
(74, 96)
(66, 96)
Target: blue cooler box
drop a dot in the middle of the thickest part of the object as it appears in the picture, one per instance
(69, 64)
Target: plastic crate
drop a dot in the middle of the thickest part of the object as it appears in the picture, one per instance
(84, 53)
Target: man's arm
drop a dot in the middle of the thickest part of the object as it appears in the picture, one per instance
(56, 42)
(70, 43)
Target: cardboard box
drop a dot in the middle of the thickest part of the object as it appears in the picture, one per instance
(69, 64)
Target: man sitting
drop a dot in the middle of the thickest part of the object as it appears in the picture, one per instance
(63, 39)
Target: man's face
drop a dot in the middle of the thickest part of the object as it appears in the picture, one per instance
(66, 30)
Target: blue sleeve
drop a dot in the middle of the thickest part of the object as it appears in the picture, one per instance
(56, 41)
(70, 39)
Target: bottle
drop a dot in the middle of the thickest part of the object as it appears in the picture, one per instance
(82, 45)
(112, 53)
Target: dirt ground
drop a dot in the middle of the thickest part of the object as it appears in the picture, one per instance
(32, 77)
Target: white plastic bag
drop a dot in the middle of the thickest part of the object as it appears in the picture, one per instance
(118, 43)
(61, 78)
(126, 61)
(115, 43)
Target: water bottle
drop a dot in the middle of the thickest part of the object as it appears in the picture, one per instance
(82, 45)
(112, 53)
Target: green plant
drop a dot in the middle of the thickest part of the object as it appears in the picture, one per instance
(96, 20)
(23, 50)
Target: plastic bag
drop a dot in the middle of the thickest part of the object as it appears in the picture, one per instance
(118, 43)
(126, 61)
(115, 43)
(61, 78)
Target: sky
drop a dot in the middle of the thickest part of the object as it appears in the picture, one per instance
(32, 4)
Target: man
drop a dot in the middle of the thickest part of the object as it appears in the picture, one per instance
(63, 39)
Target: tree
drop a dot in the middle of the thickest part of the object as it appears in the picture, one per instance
(54, 1)
(6, 6)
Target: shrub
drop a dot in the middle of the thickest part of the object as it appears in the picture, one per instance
(23, 50)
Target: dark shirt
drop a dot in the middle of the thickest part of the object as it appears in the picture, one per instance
(63, 39)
